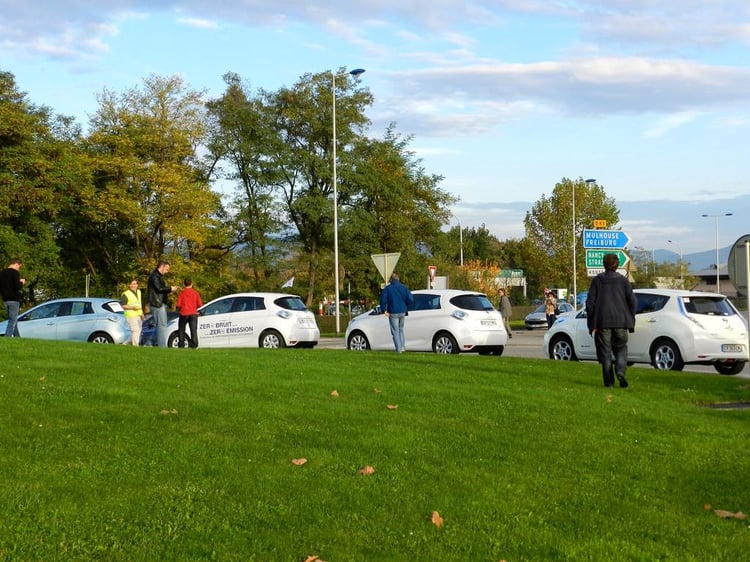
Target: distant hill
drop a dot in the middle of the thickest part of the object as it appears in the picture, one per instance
(696, 261)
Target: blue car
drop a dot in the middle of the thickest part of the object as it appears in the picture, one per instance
(82, 319)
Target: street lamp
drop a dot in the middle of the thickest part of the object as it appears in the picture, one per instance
(575, 243)
(653, 259)
(717, 217)
(679, 248)
(460, 239)
(355, 72)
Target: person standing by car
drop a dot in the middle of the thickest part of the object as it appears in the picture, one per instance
(157, 294)
(132, 304)
(188, 303)
(505, 310)
(610, 316)
(550, 307)
(394, 302)
(11, 284)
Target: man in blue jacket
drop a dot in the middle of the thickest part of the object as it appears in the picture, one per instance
(610, 315)
(394, 302)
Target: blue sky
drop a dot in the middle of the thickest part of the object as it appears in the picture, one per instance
(503, 98)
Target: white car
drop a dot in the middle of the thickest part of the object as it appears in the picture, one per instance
(268, 320)
(538, 318)
(441, 320)
(672, 328)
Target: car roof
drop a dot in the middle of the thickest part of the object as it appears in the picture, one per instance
(446, 292)
(678, 293)
(72, 299)
(259, 294)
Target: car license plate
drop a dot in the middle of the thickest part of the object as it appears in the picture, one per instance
(732, 348)
(489, 323)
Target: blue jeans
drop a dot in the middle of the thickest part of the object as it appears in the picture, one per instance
(159, 314)
(609, 342)
(12, 307)
(396, 322)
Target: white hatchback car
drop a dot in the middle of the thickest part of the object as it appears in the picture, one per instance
(441, 320)
(268, 320)
(672, 328)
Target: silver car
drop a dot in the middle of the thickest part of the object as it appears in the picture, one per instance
(538, 318)
(82, 319)
(440, 320)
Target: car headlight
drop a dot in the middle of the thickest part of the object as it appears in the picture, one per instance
(285, 314)
(459, 314)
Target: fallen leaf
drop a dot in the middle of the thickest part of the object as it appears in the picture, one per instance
(608, 398)
(312, 558)
(367, 470)
(437, 520)
(707, 506)
(42, 379)
(377, 390)
(392, 406)
(335, 393)
(729, 514)
(168, 412)
(299, 462)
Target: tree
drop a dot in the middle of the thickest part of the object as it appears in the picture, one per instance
(150, 197)
(243, 139)
(550, 233)
(41, 171)
(390, 204)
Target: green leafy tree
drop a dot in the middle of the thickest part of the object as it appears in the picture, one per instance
(41, 171)
(390, 204)
(550, 234)
(243, 146)
(150, 196)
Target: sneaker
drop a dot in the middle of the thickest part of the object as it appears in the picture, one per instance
(623, 381)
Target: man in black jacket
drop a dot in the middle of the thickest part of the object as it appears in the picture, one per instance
(157, 294)
(11, 284)
(610, 314)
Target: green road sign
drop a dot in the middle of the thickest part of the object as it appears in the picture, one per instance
(594, 258)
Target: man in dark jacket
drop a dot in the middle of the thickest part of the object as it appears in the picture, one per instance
(610, 313)
(11, 284)
(157, 294)
(394, 303)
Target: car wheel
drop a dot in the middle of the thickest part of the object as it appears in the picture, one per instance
(174, 340)
(561, 349)
(357, 342)
(100, 337)
(665, 356)
(271, 339)
(729, 367)
(444, 343)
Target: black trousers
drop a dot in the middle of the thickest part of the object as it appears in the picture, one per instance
(612, 342)
(192, 321)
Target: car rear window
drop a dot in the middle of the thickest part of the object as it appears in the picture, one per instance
(472, 302)
(710, 306)
(291, 303)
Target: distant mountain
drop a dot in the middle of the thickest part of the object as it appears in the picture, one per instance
(695, 261)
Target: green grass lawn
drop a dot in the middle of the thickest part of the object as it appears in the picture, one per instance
(119, 453)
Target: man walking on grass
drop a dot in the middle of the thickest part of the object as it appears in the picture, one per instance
(610, 314)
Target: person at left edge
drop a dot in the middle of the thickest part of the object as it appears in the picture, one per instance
(506, 310)
(188, 303)
(11, 284)
(132, 304)
(158, 291)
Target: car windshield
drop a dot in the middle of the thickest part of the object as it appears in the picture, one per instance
(291, 303)
(472, 302)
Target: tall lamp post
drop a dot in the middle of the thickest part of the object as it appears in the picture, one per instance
(460, 241)
(717, 217)
(355, 72)
(575, 244)
(679, 248)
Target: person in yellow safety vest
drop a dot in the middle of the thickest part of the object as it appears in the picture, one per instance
(133, 306)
